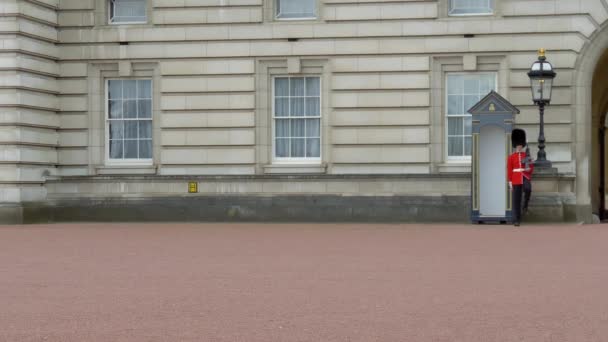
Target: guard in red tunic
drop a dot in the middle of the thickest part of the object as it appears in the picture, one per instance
(519, 172)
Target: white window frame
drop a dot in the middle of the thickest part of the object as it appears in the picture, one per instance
(491, 12)
(111, 22)
(447, 157)
(290, 160)
(122, 161)
(278, 17)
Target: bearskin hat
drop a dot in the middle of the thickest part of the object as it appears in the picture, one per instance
(518, 137)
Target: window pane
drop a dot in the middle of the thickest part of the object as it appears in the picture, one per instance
(281, 107)
(282, 148)
(467, 146)
(116, 130)
(145, 130)
(128, 11)
(297, 148)
(296, 86)
(455, 126)
(116, 149)
(312, 128)
(464, 91)
(131, 149)
(297, 106)
(471, 85)
(281, 86)
(313, 106)
(455, 105)
(313, 86)
(486, 84)
(130, 129)
(297, 128)
(455, 146)
(471, 6)
(282, 128)
(145, 149)
(129, 90)
(115, 109)
(144, 109)
(130, 109)
(455, 84)
(144, 89)
(297, 98)
(295, 8)
(470, 101)
(313, 148)
(114, 89)
(129, 8)
(129, 138)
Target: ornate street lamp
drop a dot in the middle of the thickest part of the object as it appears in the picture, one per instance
(541, 81)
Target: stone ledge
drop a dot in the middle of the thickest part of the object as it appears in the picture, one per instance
(125, 170)
(457, 168)
(320, 177)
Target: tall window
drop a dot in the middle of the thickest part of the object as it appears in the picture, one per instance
(129, 120)
(127, 11)
(463, 92)
(296, 9)
(297, 118)
(468, 7)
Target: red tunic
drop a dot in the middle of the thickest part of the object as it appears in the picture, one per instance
(516, 167)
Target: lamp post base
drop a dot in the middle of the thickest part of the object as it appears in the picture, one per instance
(544, 167)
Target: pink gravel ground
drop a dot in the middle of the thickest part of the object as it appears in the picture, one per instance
(303, 282)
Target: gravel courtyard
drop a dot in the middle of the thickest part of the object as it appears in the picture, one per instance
(303, 282)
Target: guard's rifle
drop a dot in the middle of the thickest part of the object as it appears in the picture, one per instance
(527, 159)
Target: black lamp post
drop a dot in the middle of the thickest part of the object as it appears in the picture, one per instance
(541, 80)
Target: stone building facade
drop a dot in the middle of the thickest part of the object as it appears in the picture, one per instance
(283, 109)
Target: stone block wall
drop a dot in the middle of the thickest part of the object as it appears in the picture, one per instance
(385, 66)
(28, 100)
(382, 65)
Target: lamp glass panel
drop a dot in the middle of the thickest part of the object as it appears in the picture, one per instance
(535, 84)
(547, 88)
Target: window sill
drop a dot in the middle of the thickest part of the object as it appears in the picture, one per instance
(457, 15)
(295, 169)
(296, 19)
(127, 23)
(455, 167)
(126, 170)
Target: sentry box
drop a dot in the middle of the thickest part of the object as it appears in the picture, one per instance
(492, 124)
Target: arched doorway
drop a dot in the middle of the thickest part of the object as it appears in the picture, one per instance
(599, 104)
(591, 105)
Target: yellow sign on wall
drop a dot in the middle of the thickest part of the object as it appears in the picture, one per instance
(192, 187)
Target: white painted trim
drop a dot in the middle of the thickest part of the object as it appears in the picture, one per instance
(277, 14)
(109, 18)
(315, 160)
(296, 19)
(471, 14)
(492, 12)
(458, 159)
(132, 161)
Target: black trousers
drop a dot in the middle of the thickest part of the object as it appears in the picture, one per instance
(527, 192)
(519, 191)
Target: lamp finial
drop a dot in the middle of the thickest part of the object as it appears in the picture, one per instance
(541, 52)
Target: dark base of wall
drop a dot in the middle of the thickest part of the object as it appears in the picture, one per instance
(284, 208)
(11, 214)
